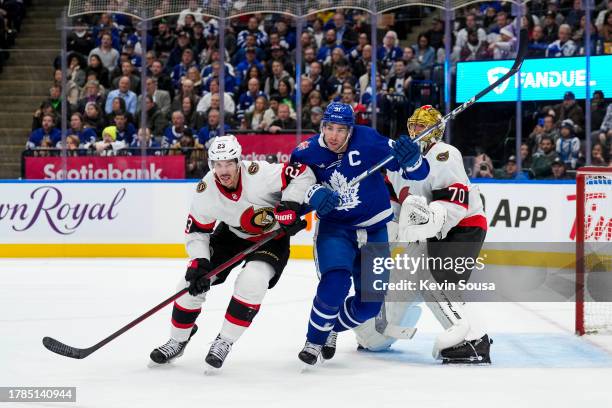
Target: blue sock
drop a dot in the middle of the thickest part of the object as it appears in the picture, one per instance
(332, 290)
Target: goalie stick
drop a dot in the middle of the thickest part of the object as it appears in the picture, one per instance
(79, 353)
(520, 57)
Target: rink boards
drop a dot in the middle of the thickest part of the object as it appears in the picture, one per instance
(146, 219)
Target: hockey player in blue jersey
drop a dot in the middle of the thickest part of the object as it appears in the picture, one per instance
(349, 217)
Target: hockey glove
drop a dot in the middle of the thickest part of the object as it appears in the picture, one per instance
(419, 221)
(287, 215)
(195, 275)
(322, 199)
(407, 153)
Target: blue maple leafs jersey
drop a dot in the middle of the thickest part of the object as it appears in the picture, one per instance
(366, 205)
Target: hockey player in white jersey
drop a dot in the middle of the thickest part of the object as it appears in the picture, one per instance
(245, 200)
(444, 207)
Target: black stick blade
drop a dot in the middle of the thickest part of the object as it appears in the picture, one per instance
(63, 349)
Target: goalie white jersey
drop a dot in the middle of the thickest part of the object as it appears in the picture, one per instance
(247, 210)
(447, 184)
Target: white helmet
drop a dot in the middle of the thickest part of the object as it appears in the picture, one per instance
(224, 148)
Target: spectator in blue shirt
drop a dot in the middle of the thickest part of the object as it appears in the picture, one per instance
(124, 93)
(213, 73)
(125, 130)
(261, 37)
(175, 130)
(345, 36)
(180, 70)
(251, 42)
(537, 45)
(144, 139)
(286, 36)
(389, 52)
(250, 59)
(46, 132)
(85, 135)
(248, 98)
(424, 53)
(212, 128)
(329, 44)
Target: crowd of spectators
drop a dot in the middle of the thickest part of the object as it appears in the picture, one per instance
(183, 61)
(12, 13)
(555, 28)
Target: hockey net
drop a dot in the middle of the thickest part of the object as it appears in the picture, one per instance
(593, 250)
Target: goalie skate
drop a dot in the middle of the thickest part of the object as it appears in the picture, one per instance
(468, 352)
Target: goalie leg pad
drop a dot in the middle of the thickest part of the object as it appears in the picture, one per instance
(396, 320)
(370, 339)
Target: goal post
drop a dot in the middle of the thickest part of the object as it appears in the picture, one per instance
(593, 253)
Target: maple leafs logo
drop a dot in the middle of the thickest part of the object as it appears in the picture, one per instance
(349, 196)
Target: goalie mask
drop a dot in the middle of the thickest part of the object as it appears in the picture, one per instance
(424, 117)
(224, 148)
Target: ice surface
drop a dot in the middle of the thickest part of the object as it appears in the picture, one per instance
(537, 359)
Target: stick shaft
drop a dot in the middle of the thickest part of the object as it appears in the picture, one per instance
(69, 351)
(440, 125)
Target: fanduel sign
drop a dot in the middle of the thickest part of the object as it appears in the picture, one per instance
(540, 79)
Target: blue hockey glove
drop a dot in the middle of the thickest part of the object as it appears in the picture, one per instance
(322, 199)
(407, 153)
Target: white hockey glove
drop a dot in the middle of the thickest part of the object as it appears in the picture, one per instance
(392, 231)
(419, 221)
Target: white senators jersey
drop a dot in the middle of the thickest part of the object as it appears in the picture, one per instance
(247, 210)
(448, 184)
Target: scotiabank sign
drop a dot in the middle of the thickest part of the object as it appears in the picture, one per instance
(106, 168)
(257, 146)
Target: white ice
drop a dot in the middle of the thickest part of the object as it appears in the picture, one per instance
(537, 360)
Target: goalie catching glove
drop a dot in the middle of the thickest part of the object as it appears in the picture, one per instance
(419, 221)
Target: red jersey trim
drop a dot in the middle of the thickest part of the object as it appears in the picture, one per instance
(236, 321)
(288, 173)
(182, 325)
(478, 220)
(181, 308)
(389, 186)
(455, 198)
(205, 227)
(230, 195)
(249, 305)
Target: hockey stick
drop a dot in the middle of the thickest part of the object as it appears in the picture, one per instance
(455, 112)
(78, 353)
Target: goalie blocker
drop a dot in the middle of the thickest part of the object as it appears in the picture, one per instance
(442, 208)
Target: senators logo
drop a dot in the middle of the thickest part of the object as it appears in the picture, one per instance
(442, 156)
(253, 168)
(257, 221)
(201, 187)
